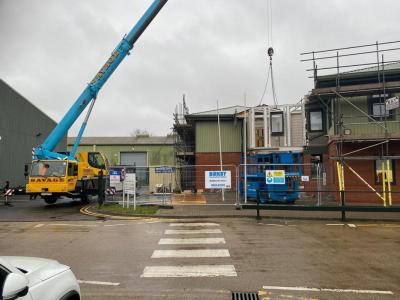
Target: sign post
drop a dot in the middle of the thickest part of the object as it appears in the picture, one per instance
(130, 188)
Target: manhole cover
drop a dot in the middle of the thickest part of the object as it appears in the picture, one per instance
(245, 296)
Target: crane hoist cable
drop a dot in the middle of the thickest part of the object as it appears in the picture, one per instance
(270, 52)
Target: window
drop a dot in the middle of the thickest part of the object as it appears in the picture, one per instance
(277, 123)
(315, 121)
(378, 170)
(3, 276)
(48, 168)
(377, 108)
(96, 160)
(72, 169)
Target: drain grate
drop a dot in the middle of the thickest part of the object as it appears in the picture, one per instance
(244, 296)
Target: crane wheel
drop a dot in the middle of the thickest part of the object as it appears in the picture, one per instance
(50, 199)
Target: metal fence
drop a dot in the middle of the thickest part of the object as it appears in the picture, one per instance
(273, 186)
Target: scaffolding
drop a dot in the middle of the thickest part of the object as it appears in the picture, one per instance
(184, 145)
(349, 64)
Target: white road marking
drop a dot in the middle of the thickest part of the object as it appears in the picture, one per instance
(38, 225)
(334, 224)
(190, 271)
(352, 225)
(113, 225)
(188, 231)
(274, 225)
(98, 282)
(193, 224)
(308, 289)
(191, 241)
(191, 253)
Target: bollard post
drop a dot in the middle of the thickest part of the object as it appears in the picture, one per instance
(258, 206)
(100, 185)
(342, 206)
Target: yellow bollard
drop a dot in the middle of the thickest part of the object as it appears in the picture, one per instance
(383, 184)
(339, 177)
(389, 176)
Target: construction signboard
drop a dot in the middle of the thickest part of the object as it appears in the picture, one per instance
(275, 176)
(218, 179)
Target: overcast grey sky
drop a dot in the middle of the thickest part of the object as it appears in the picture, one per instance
(207, 49)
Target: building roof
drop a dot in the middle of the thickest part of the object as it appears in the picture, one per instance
(21, 98)
(230, 110)
(386, 67)
(124, 140)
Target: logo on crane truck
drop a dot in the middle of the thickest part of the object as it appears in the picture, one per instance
(47, 180)
(100, 74)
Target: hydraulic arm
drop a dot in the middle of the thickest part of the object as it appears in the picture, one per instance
(89, 94)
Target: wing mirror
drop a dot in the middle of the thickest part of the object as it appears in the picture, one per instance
(15, 286)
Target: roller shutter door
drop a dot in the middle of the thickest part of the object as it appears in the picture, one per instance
(138, 159)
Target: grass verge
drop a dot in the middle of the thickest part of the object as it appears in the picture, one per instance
(119, 210)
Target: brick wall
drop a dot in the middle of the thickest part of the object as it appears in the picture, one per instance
(365, 168)
(212, 159)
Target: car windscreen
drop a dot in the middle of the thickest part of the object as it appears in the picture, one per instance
(49, 168)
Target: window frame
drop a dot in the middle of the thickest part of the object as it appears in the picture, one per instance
(323, 129)
(277, 133)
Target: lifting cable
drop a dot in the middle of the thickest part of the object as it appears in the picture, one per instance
(270, 52)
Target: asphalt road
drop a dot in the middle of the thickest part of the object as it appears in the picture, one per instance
(130, 259)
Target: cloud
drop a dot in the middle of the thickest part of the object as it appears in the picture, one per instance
(208, 49)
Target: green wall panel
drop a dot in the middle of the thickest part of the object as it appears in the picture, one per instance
(207, 136)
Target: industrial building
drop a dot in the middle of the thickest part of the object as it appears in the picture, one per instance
(348, 122)
(142, 151)
(22, 127)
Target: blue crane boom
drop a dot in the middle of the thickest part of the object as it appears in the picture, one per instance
(46, 150)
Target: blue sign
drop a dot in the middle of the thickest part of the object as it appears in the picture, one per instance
(165, 170)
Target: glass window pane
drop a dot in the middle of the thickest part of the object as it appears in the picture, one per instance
(316, 121)
(379, 110)
(276, 123)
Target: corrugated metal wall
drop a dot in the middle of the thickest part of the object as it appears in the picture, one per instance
(157, 154)
(207, 136)
(22, 126)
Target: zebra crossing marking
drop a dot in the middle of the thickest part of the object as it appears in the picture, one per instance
(188, 231)
(189, 271)
(192, 224)
(191, 241)
(193, 253)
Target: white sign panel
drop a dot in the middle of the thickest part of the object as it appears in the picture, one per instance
(305, 178)
(218, 179)
(392, 103)
(275, 176)
(130, 183)
(115, 180)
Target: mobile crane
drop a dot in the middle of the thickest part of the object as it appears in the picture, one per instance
(75, 175)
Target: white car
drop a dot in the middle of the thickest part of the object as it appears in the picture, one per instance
(32, 278)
